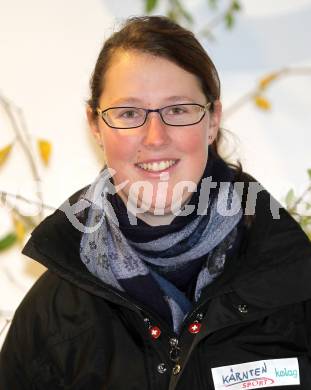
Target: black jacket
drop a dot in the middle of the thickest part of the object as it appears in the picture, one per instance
(73, 332)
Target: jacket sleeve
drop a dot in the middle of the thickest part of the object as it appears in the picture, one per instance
(13, 362)
(23, 341)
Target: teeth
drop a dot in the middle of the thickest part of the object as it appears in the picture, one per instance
(157, 166)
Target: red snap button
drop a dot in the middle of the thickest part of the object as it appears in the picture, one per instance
(194, 328)
(155, 332)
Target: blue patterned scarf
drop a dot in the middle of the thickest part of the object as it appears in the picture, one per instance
(135, 268)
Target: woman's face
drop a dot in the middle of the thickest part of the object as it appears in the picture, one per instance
(138, 79)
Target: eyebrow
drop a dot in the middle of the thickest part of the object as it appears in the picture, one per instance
(179, 98)
(170, 99)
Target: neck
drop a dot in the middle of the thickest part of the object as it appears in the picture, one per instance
(156, 220)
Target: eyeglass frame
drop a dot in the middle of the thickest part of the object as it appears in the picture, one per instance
(158, 110)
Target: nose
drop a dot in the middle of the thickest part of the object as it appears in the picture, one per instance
(156, 134)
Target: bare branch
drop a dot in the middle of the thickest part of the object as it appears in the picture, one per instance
(304, 71)
(7, 105)
(217, 20)
(20, 197)
(299, 199)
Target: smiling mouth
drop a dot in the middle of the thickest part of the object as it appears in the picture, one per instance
(157, 166)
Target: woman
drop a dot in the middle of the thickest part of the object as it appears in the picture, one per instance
(160, 276)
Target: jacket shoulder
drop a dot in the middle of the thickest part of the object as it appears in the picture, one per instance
(53, 313)
(57, 309)
(275, 264)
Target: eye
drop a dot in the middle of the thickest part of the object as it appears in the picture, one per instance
(177, 110)
(129, 114)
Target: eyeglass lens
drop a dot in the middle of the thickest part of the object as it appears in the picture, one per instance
(175, 115)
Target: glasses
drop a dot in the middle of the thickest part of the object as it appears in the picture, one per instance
(174, 115)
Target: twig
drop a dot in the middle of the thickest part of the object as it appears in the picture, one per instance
(7, 107)
(238, 104)
(258, 89)
(299, 199)
(20, 197)
(28, 221)
(28, 139)
(218, 19)
(300, 71)
(292, 212)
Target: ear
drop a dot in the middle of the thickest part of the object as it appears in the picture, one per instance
(93, 123)
(215, 119)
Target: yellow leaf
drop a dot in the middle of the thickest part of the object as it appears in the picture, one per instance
(4, 153)
(45, 149)
(262, 103)
(264, 83)
(20, 230)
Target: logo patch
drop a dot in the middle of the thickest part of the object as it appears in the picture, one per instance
(257, 375)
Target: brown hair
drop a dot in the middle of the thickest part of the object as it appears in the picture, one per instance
(159, 36)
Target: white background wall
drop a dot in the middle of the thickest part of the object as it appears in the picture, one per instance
(47, 53)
